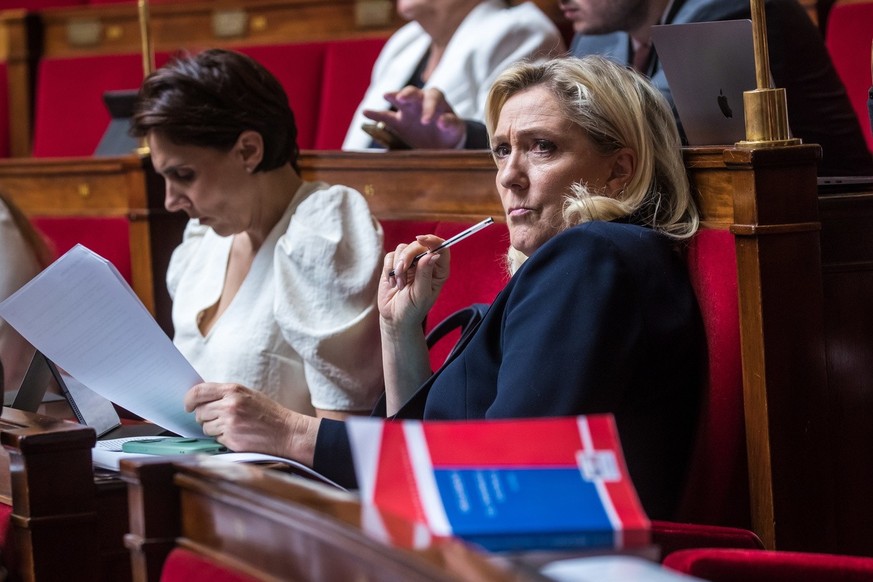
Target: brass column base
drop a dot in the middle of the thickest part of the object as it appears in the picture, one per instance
(766, 113)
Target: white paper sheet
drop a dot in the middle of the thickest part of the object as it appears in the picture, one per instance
(82, 314)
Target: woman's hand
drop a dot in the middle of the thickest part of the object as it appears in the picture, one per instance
(422, 118)
(406, 296)
(248, 421)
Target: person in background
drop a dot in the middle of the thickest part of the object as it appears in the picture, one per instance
(818, 109)
(598, 317)
(457, 46)
(275, 282)
(23, 254)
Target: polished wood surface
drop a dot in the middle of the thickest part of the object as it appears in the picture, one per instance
(275, 526)
(46, 475)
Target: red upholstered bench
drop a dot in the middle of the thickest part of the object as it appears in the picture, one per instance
(299, 68)
(69, 115)
(347, 68)
(724, 565)
(718, 492)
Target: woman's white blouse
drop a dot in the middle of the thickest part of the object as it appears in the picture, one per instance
(303, 327)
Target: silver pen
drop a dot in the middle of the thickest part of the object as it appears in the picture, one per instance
(452, 240)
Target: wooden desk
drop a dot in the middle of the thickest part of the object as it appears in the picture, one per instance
(67, 523)
(275, 526)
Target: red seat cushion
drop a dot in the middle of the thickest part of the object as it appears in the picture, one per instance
(185, 566)
(348, 66)
(720, 565)
(717, 492)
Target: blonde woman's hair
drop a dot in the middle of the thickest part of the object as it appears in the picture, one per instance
(617, 108)
(41, 250)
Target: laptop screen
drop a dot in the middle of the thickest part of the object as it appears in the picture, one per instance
(708, 65)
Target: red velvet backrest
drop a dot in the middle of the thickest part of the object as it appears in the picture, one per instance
(721, 565)
(848, 38)
(69, 114)
(109, 237)
(298, 67)
(348, 65)
(717, 490)
(4, 110)
(183, 565)
(477, 269)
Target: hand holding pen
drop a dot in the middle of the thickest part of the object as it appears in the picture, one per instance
(450, 241)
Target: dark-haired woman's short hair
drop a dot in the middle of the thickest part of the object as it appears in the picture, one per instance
(210, 98)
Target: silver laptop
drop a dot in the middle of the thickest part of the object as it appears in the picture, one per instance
(708, 67)
(89, 408)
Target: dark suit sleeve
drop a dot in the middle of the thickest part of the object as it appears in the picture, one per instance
(477, 136)
(570, 330)
(333, 453)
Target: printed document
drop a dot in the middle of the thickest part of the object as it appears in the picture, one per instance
(82, 314)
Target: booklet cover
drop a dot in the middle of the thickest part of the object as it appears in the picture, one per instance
(507, 485)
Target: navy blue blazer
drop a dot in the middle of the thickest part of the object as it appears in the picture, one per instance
(602, 318)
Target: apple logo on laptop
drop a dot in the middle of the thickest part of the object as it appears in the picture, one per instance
(723, 104)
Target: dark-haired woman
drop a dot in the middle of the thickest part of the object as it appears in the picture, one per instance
(275, 282)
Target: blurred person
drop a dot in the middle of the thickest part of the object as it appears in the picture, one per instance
(819, 110)
(457, 47)
(23, 254)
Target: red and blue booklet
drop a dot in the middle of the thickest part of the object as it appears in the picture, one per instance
(506, 485)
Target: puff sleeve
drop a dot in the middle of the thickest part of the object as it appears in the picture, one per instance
(326, 269)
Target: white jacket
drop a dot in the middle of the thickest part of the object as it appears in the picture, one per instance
(492, 37)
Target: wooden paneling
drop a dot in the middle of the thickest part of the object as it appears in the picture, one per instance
(114, 28)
